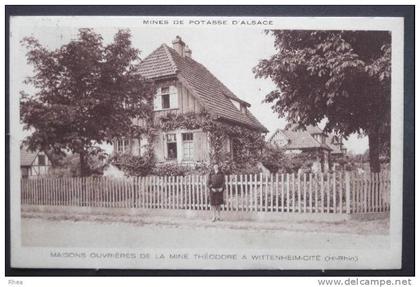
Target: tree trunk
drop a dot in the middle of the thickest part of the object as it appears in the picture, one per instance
(83, 164)
(374, 149)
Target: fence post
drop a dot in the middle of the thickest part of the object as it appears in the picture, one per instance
(347, 183)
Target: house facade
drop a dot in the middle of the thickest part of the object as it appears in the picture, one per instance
(310, 139)
(33, 164)
(186, 87)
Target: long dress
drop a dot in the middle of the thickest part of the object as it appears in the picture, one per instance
(216, 184)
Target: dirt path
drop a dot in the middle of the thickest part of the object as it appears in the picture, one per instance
(91, 231)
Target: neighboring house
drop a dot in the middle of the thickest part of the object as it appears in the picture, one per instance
(33, 164)
(335, 142)
(338, 150)
(309, 139)
(186, 86)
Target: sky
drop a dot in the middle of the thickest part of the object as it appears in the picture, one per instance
(229, 53)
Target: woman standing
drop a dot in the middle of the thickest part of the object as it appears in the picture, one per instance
(216, 185)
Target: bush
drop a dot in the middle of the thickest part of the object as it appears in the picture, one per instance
(69, 166)
(134, 165)
(175, 169)
(276, 160)
(229, 166)
(200, 168)
(273, 158)
(170, 169)
(301, 161)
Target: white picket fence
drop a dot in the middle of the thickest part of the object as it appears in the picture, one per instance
(285, 193)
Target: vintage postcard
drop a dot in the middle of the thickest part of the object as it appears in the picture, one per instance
(206, 142)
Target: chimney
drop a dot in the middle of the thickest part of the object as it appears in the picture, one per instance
(187, 52)
(178, 45)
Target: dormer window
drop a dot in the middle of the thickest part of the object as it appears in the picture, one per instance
(166, 98)
(240, 106)
(236, 104)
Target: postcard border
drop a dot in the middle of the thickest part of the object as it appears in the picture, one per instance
(405, 11)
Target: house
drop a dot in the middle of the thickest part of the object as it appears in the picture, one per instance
(185, 86)
(335, 142)
(309, 139)
(33, 164)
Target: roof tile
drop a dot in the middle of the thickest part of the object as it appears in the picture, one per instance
(211, 92)
(300, 140)
(27, 157)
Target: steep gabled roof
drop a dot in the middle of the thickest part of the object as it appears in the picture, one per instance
(314, 129)
(209, 91)
(311, 129)
(158, 64)
(335, 149)
(301, 140)
(27, 157)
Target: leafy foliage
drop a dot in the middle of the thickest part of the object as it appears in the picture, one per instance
(133, 165)
(247, 146)
(86, 93)
(343, 76)
(273, 158)
(247, 143)
(295, 162)
(174, 169)
(69, 165)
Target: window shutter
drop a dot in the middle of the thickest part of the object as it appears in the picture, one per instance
(197, 140)
(158, 100)
(173, 98)
(135, 147)
(158, 147)
(143, 145)
(201, 147)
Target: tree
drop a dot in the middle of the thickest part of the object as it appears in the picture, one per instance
(86, 93)
(343, 76)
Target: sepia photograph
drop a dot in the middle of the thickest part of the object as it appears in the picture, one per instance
(206, 142)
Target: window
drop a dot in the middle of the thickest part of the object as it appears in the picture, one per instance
(165, 102)
(187, 137)
(41, 159)
(236, 104)
(122, 145)
(187, 146)
(171, 138)
(165, 90)
(171, 146)
(166, 98)
(243, 109)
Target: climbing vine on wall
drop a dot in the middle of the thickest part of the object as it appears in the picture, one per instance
(140, 165)
(247, 144)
